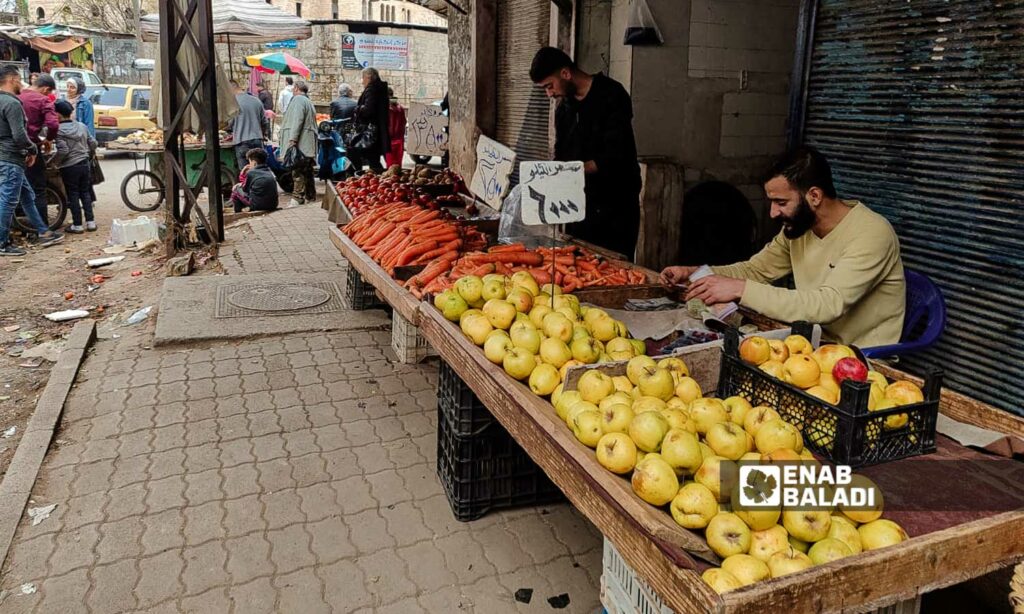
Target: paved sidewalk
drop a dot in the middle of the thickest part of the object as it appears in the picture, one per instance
(285, 241)
(287, 474)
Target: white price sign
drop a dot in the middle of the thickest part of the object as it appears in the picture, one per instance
(552, 192)
(494, 164)
(425, 130)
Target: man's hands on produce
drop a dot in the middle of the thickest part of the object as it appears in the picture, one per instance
(674, 275)
(715, 289)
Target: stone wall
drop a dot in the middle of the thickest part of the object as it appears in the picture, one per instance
(113, 57)
(364, 10)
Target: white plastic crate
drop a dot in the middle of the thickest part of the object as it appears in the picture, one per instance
(407, 342)
(622, 591)
(133, 232)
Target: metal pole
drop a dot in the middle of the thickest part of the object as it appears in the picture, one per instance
(210, 119)
(172, 131)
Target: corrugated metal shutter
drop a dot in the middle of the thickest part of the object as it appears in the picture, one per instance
(523, 109)
(919, 107)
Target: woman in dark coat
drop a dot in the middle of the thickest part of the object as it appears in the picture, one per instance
(372, 109)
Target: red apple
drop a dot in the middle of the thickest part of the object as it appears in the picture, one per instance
(849, 368)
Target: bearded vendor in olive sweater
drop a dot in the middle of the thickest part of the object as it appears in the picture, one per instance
(844, 257)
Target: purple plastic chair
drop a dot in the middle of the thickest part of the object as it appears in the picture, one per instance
(923, 322)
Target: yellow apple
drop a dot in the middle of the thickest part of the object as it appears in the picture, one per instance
(616, 452)
(523, 279)
(728, 440)
(538, 313)
(616, 418)
(737, 407)
(586, 426)
(864, 514)
(828, 550)
(880, 533)
(493, 289)
(774, 368)
(688, 389)
(727, 535)
(807, 525)
(788, 561)
(521, 299)
(720, 581)
(677, 403)
(798, 544)
(779, 350)
(616, 398)
(470, 288)
(746, 568)
(798, 344)
(555, 352)
(765, 543)
(755, 350)
(603, 328)
(558, 326)
(828, 355)
(452, 305)
(829, 383)
(644, 403)
(775, 434)
(845, 530)
(694, 506)
(895, 421)
(563, 371)
(681, 451)
(647, 430)
(496, 346)
(567, 399)
(757, 417)
(622, 383)
(585, 350)
(637, 366)
(781, 455)
(878, 379)
(519, 363)
(823, 393)
(675, 365)
(595, 386)
(904, 393)
(679, 420)
(619, 348)
(551, 289)
(706, 412)
(569, 314)
(639, 347)
(654, 481)
(802, 371)
(705, 450)
(544, 380)
(525, 335)
(759, 519)
(710, 475)
(657, 383)
(477, 328)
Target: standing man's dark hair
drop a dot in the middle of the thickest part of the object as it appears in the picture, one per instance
(302, 86)
(804, 167)
(547, 62)
(288, 80)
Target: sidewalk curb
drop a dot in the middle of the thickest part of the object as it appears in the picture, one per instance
(28, 458)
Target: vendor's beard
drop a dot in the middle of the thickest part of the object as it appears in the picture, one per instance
(798, 225)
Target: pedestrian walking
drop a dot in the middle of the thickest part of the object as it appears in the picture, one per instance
(285, 96)
(75, 149)
(249, 126)
(41, 125)
(16, 152)
(370, 138)
(298, 131)
(396, 130)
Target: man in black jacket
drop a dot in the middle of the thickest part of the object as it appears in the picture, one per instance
(371, 119)
(593, 124)
(343, 107)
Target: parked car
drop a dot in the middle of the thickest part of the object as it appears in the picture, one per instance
(61, 76)
(120, 110)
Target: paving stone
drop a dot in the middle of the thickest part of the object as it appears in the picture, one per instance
(301, 592)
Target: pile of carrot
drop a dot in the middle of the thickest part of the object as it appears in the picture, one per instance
(572, 267)
(403, 234)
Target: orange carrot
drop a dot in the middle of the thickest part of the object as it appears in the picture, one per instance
(527, 258)
(414, 251)
(511, 247)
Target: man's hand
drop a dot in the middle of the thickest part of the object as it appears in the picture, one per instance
(30, 160)
(715, 289)
(589, 167)
(675, 275)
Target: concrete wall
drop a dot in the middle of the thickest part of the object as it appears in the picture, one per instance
(425, 81)
(593, 53)
(714, 96)
(113, 57)
(364, 10)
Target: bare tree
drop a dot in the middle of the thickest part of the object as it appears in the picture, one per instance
(113, 15)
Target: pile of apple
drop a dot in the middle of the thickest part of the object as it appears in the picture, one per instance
(536, 333)
(821, 372)
(654, 424)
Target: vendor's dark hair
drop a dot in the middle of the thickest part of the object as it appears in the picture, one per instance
(288, 80)
(804, 167)
(547, 62)
(9, 70)
(257, 155)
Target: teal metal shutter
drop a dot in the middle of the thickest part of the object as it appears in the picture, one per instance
(920, 108)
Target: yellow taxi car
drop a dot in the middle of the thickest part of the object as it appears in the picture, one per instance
(120, 110)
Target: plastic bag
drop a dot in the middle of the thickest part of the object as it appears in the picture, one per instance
(641, 28)
(511, 228)
(292, 157)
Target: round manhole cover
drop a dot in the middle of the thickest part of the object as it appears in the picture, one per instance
(279, 298)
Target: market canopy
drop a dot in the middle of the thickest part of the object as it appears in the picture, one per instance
(242, 21)
(279, 62)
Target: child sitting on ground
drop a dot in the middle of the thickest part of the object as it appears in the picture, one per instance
(257, 187)
(75, 148)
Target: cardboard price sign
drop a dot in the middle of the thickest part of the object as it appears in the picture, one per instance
(494, 164)
(425, 134)
(552, 192)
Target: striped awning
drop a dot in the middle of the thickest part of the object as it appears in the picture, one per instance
(243, 21)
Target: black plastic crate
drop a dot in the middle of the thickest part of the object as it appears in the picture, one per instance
(464, 411)
(488, 472)
(361, 295)
(846, 434)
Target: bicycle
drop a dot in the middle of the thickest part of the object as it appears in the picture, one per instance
(143, 189)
